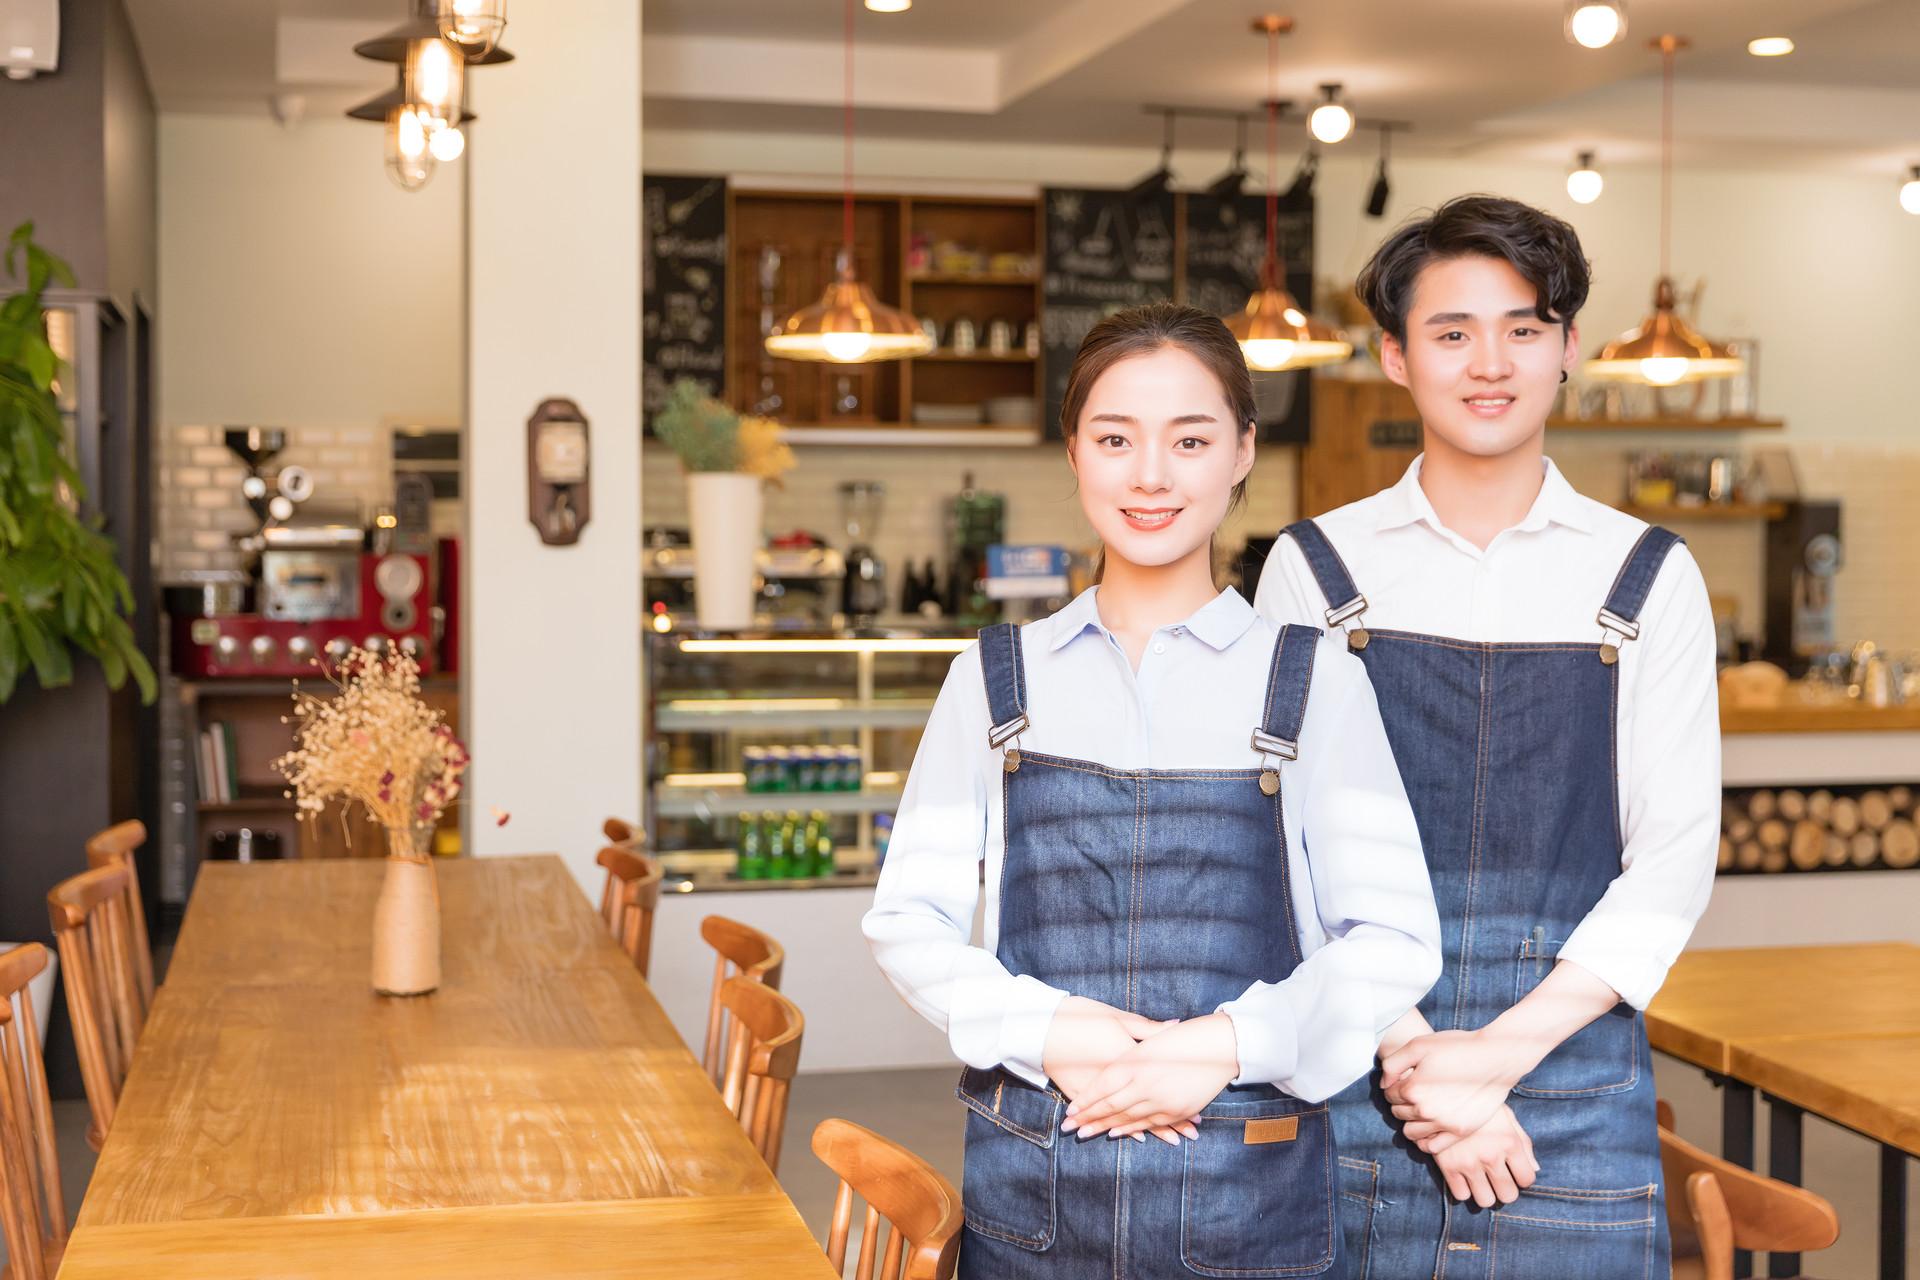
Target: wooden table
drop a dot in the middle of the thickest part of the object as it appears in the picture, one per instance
(1806, 1026)
(538, 1115)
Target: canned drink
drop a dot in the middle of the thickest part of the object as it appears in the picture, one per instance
(779, 769)
(806, 769)
(755, 768)
(853, 774)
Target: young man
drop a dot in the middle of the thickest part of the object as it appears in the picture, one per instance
(1544, 665)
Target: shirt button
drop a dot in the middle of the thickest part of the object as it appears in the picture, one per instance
(1159, 647)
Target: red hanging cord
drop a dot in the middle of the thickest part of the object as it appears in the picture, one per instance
(846, 204)
(1666, 152)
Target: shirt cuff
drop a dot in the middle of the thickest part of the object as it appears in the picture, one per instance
(1618, 953)
(1031, 1005)
(1267, 1033)
(998, 1019)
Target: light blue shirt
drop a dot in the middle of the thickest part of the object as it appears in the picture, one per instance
(1368, 928)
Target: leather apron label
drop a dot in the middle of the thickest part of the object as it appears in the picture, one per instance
(1272, 1129)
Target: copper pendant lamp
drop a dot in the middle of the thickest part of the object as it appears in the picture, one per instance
(1274, 332)
(849, 325)
(1664, 350)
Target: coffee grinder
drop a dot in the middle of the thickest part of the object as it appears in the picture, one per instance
(1804, 557)
(863, 595)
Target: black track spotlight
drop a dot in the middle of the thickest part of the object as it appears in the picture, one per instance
(1381, 190)
(1155, 183)
(1228, 184)
(1300, 191)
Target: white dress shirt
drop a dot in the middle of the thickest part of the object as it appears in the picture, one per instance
(1369, 931)
(1545, 579)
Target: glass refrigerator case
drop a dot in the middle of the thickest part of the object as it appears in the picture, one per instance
(776, 761)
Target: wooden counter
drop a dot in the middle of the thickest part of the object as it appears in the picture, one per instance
(1842, 717)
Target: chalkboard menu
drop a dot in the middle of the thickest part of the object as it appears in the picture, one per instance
(1225, 243)
(684, 287)
(1103, 253)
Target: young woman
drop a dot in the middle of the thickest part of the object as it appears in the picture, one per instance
(1545, 665)
(1205, 897)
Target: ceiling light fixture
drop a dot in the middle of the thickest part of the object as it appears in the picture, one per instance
(1377, 196)
(1585, 184)
(433, 50)
(849, 325)
(1331, 121)
(1156, 182)
(889, 6)
(1228, 184)
(1595, 24)
(1910, 191)
(1770, 47)
(474, 25)
(1664, 349)
(1274, 332)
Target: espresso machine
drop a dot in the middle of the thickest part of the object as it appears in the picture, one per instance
(863, 595)
(1804, 559)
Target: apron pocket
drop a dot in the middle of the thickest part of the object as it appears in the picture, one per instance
(1359, 1190)
(1007, 1183)
(1574, 1235)
(1598, 1059)
(1257, 1196)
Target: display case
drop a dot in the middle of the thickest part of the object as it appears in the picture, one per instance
(821, 726)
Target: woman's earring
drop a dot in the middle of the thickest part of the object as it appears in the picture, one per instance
(1563, 375)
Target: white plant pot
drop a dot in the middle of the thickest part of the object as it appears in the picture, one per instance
(725, 508)
(41, 988)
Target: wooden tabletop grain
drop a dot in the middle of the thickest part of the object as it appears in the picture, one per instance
(1865, 1084)
(1716, 1001)
(537, 1115)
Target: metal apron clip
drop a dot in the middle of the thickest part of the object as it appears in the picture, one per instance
(1272, 750)
(1612, 624)
(1001, 734)
(1357, 637)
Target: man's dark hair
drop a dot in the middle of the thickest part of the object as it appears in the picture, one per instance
(1535, 243)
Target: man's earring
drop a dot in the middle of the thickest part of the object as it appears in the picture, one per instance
(1563, 375)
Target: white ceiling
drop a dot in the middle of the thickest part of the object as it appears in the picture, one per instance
(1484, 77)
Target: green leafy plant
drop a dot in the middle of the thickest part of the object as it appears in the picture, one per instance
(710, 436)
(59, 585)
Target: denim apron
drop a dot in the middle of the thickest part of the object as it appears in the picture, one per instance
(1507, 753)
(1164, 892)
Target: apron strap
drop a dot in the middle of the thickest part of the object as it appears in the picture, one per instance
(1620, 615)
(1278, 736)
(1006, 677)
(1344, 600)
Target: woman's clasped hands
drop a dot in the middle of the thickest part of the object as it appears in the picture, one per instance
(1128, 1076)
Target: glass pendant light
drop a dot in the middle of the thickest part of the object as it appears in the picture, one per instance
(1585, 184)
(1332, 120)
(1910, 191)
(435, 78)
(474, 25)
(395, 44)
(849, 325)
(1595, 24)
(409, 156)
(1663, 349)
(1273, 331)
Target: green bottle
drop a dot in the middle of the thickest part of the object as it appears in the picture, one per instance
(790, 853)
(821, 843)
(752, 848)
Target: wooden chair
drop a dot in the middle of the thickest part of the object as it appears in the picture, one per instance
(89, 913)
(627, 903)
(921, 1208)
(33, 1214)
(762, 1054)
(740, 950)
(1715, 1207)
(623, 833)
(116, 845)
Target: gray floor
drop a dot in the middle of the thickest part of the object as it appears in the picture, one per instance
(918, 1110)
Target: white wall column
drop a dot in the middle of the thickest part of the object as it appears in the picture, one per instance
(552, 634)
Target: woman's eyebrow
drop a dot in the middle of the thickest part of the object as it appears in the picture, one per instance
(1184, 420)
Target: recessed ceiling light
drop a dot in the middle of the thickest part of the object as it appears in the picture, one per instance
(889, 6)
(1770, 47)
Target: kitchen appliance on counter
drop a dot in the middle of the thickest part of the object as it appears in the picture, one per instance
(863, 594)
(1804, 558)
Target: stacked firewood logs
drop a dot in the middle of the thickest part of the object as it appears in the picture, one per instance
(1781, 828)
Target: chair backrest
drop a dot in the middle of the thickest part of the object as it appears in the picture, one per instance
(921, 1208)
(33, 1215)
(623, 833)
(762, 1055)
(628, 901)
(1727, 1208)
(89, 913)
(740, 950)
(116, 845)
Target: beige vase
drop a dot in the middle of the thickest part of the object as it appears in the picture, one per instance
(406, 922)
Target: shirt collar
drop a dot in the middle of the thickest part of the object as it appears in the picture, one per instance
(1557, 503)
(1217, 623)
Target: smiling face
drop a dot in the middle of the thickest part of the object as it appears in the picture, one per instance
(1483, 367)
(1158, 452)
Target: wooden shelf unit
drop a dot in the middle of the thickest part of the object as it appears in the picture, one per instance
(804, 227)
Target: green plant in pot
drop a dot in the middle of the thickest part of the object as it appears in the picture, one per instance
(728, 458)
(60, 589)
